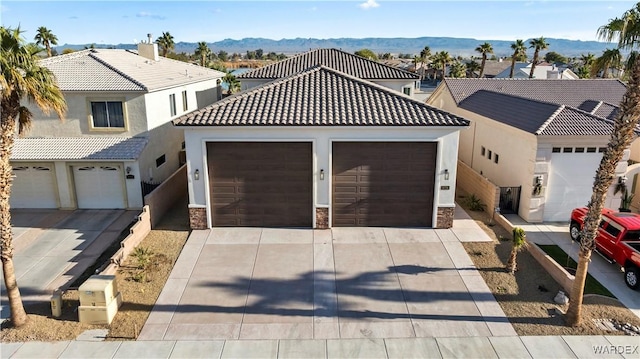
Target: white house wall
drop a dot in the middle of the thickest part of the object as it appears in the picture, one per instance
(163, 140)
(322, 138)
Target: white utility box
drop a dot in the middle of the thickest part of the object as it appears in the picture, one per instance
(102, 314)
(98, 290)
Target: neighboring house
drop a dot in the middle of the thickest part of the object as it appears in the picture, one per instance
(117, 131)
(543, 70)
(541, 138)
(321, 148)
(494, 67)
(354, 65)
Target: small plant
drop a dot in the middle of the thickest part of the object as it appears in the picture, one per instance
(142, 256)
(626, 199)
(475, 204)
(519, 241)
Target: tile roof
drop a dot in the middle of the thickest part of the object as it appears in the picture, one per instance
(536, 117)
(320, 96)
(122, 70)
(78, 148)
(351, 64)
(572, 93)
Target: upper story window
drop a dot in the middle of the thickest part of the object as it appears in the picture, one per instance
(107, 114)
(172, 103)
(406, 91)
(185, 104)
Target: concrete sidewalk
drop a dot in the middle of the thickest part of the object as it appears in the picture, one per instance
(446, 347)
(609, 275)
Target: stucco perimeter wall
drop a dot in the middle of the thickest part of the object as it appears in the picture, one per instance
(472, 182)
(136, 234)
(165, 196)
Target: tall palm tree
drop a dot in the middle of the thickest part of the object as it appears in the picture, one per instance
(425, 55)
(472, 66)
(458, 69)
(626, 30)
(611, 58)
(537, 44)
(22, 78)
(166, 43)
(45, 38)
(203, 51)
(441, 59)
(484, 49)
(519, 52)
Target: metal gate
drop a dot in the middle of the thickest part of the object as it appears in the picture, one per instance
(509, 199)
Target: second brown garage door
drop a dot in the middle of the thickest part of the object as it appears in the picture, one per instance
(264, 184)
(383, 183)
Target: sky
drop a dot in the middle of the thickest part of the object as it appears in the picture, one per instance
(115, 22)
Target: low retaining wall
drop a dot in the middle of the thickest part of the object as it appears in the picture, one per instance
(136, 234)
(167, 194)
(474, 183)
(564, 278)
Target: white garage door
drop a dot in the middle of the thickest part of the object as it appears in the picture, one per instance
(570, 183)
(33, 186)
(99, 186)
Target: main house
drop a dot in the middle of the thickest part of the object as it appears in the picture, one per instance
(321, 148)
(541, 141)
(117, 132)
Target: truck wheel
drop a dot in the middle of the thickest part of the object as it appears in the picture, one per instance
(631, 277)
(574, 231)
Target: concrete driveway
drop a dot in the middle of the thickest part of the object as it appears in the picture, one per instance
(260, 283)
(609, 275)
(52, 248)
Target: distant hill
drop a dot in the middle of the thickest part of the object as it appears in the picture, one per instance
(455, 46)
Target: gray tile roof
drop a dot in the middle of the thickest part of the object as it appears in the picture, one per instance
(536, 117)
(574, 93)
(78, 148)
(122, 70)
(320, 96)
(340, 60)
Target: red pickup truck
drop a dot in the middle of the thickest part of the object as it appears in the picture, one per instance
(618, 240)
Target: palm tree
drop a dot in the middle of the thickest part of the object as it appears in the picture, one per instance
(537, 44)
(425, 55)
(484, 49)
(611, 58)
(22, 78)
(166, 43)
(627, 31)
(519, 52)
(45, 38)
(441, 59)
(472, 66)
(203, 51)
(458, 69)
(232, 81)
(519, 241)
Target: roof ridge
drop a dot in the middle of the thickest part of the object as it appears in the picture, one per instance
(550, 119)
(108, 65)
(64, 57)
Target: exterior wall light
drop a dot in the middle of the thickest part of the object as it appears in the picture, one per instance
(321, 175)
(196, 174)
(446, 174)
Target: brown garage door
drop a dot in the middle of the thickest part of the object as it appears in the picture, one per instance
(383, 183)
(265, 184)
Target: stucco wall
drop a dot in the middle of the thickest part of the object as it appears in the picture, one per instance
(471, 182)
(164, 140)
(165, 196)
(322, 138)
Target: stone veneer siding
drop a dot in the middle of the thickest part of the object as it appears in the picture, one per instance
(445, 217)
(322, 218)
(198, 218)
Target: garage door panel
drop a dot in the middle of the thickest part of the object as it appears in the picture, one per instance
(383, 184)
(34, 186)
(99, 186)
(267, 183)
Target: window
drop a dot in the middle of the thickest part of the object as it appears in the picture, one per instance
(489, 154)
(613, 231)
(601, 149)
(406, 91)
(591, 149)
(185, 105)
(496, 158)
(555, 150)
(483, 151)
(567, 150)
(172, 103)
(107, 114)
(161, 160)
(579, 149)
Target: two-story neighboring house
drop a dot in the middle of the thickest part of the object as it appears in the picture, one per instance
(354, 65)
(117, 131)
(541, 138)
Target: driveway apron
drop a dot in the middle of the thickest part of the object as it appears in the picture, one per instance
(265, 283)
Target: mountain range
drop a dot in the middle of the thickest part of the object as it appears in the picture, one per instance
(455, 46)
